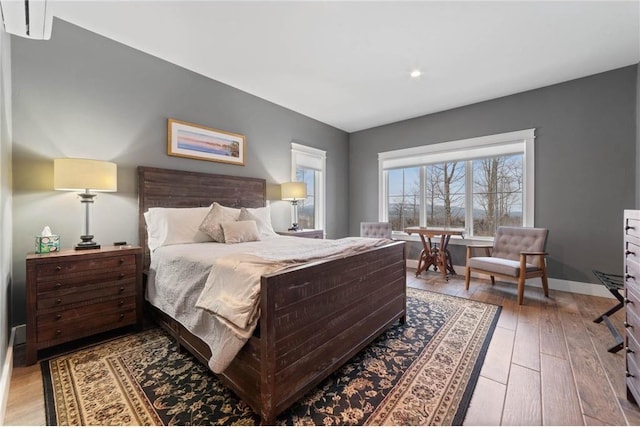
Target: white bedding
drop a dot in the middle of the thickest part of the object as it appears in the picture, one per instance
(180, 273)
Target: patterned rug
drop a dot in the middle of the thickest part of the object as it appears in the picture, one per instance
(419, 373)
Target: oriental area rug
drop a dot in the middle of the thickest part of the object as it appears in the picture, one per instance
(419, 373)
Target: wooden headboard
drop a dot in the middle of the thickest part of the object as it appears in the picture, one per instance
(170, 188)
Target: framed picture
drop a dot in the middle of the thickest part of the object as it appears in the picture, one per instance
(189, 140)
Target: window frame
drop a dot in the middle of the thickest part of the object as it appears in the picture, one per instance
(315, 159)
(467, 150)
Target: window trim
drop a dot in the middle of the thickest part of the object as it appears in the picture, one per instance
(316, 159)
(520, 142)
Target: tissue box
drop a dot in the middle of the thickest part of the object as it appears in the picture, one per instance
(47, 244)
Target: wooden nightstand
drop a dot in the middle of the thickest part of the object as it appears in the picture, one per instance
(73, 294)
(306, 233)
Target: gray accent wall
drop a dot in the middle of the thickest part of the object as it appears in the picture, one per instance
(83, 95)
(5, 194)
(585, 163)
(637, 184)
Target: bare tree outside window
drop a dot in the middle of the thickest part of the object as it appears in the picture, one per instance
(497, 193)
(445, 193)
(307, 208)
(403, 197)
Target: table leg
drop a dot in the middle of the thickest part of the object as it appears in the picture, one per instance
(421, 262)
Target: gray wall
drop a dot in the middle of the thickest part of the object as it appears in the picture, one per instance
(637, 206)
(5, 191)
(585, 159)
(82, 95)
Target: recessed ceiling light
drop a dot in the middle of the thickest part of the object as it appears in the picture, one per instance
(416, 73)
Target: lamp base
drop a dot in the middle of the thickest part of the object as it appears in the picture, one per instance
(87, 243)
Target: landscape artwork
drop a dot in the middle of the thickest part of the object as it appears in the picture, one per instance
(193, 141)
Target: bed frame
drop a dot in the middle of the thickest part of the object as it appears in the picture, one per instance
(314, 317)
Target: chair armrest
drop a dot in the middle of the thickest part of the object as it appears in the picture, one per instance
(479, 246)
(524, 254)
(534, 253)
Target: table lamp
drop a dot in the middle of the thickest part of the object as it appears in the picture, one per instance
(293, 192)
(85, 175)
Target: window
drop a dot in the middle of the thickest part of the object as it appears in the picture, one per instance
(475, 184)
(308, 165)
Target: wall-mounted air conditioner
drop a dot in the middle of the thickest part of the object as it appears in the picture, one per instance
(27, 18)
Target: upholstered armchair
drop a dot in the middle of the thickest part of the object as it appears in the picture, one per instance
(517, 252)
(375, 230)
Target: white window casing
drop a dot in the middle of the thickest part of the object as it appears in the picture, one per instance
(315, 159)
(517, 142)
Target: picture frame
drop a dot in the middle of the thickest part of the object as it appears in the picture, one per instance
(189, 140)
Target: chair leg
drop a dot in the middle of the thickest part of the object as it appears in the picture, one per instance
(545, 283)
(521, 289)
(467, 277)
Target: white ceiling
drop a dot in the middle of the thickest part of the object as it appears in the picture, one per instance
(347, 63)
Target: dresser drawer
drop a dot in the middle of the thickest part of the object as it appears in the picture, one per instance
(633, 301)
(85, 325)
(633, 350)
(125, 273)
(632, 274)
(633, 321)
(632, 227)
(631, 252)
(73, 295)
(75, 314)
(94, 265)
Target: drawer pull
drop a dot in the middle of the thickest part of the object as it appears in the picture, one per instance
(58, 285)
(629, 252)
(121, 260)
(627, 227)
(58, 268)
(121, 303)
(121, 316)
(122, 275)
(627, 325)
(629, 350)
(627, 374)
(58, 301)
(58, 332)
(58, 316)
(627, 276)
(121, 289)
(628, 302)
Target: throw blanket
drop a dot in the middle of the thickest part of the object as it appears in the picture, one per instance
(232, 291)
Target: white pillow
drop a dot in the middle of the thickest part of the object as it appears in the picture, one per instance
(262, 217)
(211, 225)
(240, 231)
(170, 226)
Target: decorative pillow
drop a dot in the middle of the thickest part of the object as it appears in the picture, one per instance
(211, 225)
(240, 231)
(262, 217)
(170, 226)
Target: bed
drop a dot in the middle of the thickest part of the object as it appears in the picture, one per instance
(313, 317)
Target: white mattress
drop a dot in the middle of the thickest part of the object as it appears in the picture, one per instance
(178, 274)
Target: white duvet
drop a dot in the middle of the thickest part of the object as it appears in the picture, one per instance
(213, 289)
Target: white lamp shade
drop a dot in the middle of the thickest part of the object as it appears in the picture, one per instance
(81, 174)
(293, 191)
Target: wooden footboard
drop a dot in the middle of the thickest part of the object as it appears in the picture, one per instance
(314, 318)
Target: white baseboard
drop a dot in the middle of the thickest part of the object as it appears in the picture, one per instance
(554, 283)
(5, 380)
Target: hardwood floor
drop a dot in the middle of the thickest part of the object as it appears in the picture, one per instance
(547, 363)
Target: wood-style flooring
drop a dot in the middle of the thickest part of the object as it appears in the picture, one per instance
(547, 363)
